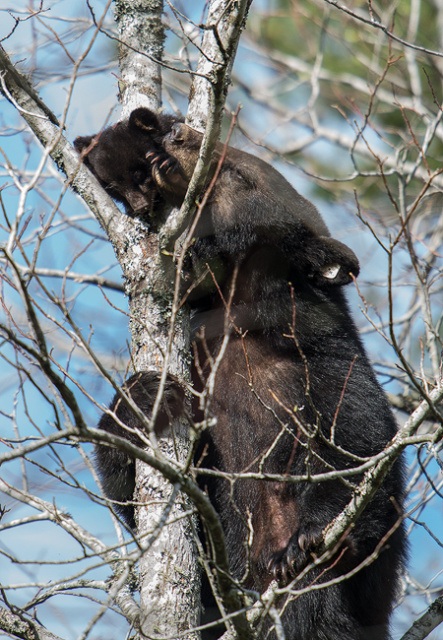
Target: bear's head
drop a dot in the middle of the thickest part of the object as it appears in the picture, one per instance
(120, 158)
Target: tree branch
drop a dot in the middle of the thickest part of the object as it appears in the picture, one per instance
(427, 622)
(374, 477)
(120, 567)
(19, 626)
(208, 95)
(16, 88)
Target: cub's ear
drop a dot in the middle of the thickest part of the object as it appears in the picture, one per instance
(143, 120)
(82, 142)
(331, 262)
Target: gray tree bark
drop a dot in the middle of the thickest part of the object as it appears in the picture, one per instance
(160, 339)
(169, 576)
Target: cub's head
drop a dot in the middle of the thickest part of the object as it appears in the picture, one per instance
(121, 157)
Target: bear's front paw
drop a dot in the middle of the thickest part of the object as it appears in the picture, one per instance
(287, 564)
(167, 174)
(162, 162)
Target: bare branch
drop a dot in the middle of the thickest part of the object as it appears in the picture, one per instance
(18, 626)
(427, 622)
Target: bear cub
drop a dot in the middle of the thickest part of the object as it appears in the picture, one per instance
(292, 390)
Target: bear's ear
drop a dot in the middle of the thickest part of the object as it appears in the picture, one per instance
(82, 142)
(331, 262)
(143, 120)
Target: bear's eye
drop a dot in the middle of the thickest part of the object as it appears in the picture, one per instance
(138, 175)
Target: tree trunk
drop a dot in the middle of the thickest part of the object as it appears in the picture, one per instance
(169, 576)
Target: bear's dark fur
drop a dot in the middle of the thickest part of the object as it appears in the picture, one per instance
(294, 393)
(127, 178)
(116, 468)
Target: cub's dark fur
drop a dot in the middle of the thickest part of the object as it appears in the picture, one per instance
(126, 173)
(294, 393)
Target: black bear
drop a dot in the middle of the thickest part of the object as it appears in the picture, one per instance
(127, 178)
(116, 470)
(293, 392)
